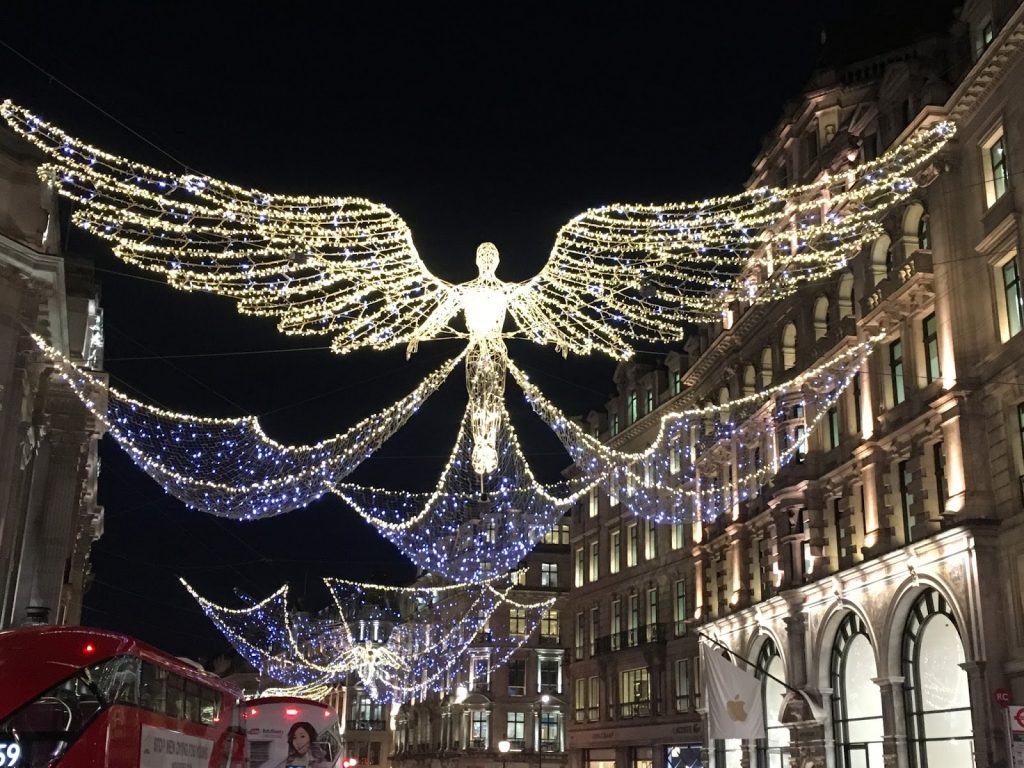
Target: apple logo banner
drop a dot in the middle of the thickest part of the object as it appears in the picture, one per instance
(734, 699)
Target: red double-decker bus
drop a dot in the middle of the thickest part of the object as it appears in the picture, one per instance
(73, 697)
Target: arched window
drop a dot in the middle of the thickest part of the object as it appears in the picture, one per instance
(924, 233)
(749, 379)
(936, 696)
(846, 296)
(856, 701)
(821, 325)
(881, 259)
(767, 374)
(789, 347)
(773, 751)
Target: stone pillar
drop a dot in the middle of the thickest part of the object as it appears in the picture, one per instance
(796, 639)
(817, 538)
(894, 721)
(878, 530)
(989, 736)
(739, 572)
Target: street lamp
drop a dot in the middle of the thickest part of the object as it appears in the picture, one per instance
(503, 748)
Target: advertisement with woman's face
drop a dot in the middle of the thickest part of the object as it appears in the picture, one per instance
(303, 751)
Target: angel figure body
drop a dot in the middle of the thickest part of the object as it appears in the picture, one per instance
(347, 267)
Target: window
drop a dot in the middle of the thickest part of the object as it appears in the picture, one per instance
(774, 749)
(517, 677)
(519, 577)
(766, 368)
(633, 544)
(517, 621)
(677, 382)
(632, 407)
(680, 608)
(549, 675)
(939, 459)
(615, 424)
(997, 170)
(557, 535)
(651, 541)
(846, 296)
(678, 533)
(652, 613)
(749, 379)
(649, 404)
(595, 560)
(682, 685)
(616, 624)
(595, 623)
(1020, 436)
(480, 673)
(936, 696)
(578, 635)
(1012, 296)
(634, 693)
(789, 347)
(984, 34)
(614, 551)
(550, 731)
(897, 388)
(579, 699)
(800, 438)
(858, 398)
(515, 730)
(634, 620)
(924, 233)
(479, 720)
(549, 624)
(856, 700)
(593, 503)
(905, 480)
(821, 328)
(578, 574)
(549, 574)
(930, 337)
(834, 433)
(594, 700)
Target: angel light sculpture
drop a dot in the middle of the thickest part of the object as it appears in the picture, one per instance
(347, 267)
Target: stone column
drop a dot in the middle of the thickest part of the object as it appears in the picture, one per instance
(796, 639)
(894, 721)
(989, 737)
(878, 529)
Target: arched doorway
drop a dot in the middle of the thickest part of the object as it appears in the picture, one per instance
(936, 695)
(856, 700)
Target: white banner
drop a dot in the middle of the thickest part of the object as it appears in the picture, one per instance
(734, 701)
(163, 748)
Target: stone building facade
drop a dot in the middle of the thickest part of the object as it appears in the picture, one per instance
(878, 576)
(524, 702)
(48, 465)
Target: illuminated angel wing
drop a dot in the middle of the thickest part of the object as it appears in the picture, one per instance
(620, 274)
(320, 265)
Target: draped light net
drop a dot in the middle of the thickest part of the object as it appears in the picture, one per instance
(703, 461)
(399, 641)
(230, 467)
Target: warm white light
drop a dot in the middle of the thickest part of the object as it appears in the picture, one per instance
(504, 746)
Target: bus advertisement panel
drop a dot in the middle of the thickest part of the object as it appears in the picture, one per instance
(285, 732)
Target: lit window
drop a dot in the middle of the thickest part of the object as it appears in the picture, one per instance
(578, 574)
(519, 577)
(549, 574)
(594, 505)
(616, 624)
(897, 388)
(557, 535)
(594, 708)
(634, 693)
(515, 730)
(924, 233)
(633, 545)
(996, 167)
(615, 424)
(649, 405)
(677, 382)
(549, 674)
(682, 685)
(834, 433)
(595, 560)
(677, 535)
(1013, 297)
(549, 624)
(652, 611)
(789, 347)
(680, 608)
(634, 619)
(632, 407)
(651, 541)
(614, 552)
(579, 699)
(479, 720)
(906, 480)
(856, 702)
(595, 617)
(930, 337)
(517, 621)
(984, 34)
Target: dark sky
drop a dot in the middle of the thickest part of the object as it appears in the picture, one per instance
(496, 121)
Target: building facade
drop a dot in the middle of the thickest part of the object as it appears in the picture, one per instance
(521, 705)
(874, 584)
(48, 465)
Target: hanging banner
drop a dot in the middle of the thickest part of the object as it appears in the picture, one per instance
(1015, 730)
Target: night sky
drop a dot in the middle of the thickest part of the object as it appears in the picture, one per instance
(486, 122)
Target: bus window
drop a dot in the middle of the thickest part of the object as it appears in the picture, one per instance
(192, 701)
(117, 679)
(153, 694)
(175, 705)
(209, 706)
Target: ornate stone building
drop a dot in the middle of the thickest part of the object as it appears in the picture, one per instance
(879, 574)
(48, 465)
(522, 702)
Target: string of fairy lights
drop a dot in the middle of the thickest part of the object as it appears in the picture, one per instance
(347, 268)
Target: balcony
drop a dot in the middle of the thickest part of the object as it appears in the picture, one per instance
(632, 638)
(366, 725)
(633, 709)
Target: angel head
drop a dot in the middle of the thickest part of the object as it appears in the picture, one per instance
(487, 259)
